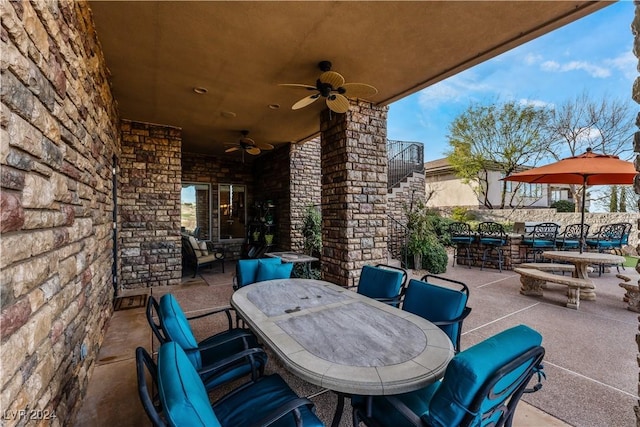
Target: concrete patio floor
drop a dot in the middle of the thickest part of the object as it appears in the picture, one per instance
(590, 359)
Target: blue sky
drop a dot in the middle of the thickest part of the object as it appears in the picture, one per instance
(593, 54)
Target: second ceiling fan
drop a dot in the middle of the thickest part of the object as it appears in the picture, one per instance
(331, 86)
(249, 145)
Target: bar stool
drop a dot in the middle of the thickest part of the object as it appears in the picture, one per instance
(492, 237)
(462, 238)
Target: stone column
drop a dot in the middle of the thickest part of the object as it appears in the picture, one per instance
(354, 191)
(635, 29)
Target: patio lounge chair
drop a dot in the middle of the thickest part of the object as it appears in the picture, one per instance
(200, 254)
(221, 358)
(442, 306)
(267, 400)
(481, 387)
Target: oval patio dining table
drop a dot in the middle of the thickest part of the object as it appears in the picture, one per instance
(344, 341)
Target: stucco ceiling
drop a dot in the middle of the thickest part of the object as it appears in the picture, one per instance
(158, 52)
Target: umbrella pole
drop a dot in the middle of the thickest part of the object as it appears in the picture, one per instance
(584, 196)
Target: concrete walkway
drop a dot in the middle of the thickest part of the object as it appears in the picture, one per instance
(590, 357)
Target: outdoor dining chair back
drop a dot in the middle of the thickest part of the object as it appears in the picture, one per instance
(571, 236)
(541, 238)
(147, 370)
(249, 271)
(383, 282)
(609, 236)
(446, 307)
(220, 358)
(461, 238)
(492, 238)
(482, 386)
(266, 401)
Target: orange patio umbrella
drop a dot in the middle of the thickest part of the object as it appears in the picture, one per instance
(586, 169)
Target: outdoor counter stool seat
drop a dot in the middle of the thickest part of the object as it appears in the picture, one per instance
(570, 237)
(247, 270)
(482, 386)
(382, 282)
(223, 357)
(462, 238)
(492, 237)
(442, 306)
(266, 401)
(542, 238)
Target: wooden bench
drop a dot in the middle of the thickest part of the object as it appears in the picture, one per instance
(532, 281)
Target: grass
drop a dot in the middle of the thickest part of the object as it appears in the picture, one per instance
(631, 261)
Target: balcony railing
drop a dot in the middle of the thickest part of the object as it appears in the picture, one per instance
(405, 158)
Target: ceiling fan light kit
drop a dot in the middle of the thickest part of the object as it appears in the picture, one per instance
(331, 86)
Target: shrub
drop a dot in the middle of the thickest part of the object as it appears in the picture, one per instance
(434, 259)
(564, 206)
(462, 214)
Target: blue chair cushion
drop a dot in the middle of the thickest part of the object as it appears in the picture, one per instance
(462, 239)
(270, 271)
(492, 241)
(538, 243)
(377, 282)
(184, 399)
(470, 368)
(175, 324)
(569, 243)
(247, 269)
(435, 303)
(256, 401)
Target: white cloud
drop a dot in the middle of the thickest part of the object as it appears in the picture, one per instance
(536, 102)
(626, 63)
(455, 89)
(532, 59)
(592, 69)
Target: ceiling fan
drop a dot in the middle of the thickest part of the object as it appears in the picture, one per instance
(331, 86)
(249, 145)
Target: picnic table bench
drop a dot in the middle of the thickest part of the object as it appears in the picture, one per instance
(533, 280)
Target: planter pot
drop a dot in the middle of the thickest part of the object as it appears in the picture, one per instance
(417, 261)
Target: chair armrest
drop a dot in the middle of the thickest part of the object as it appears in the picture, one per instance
(205, 345)
(228, 362)
(465, 313)
(539, 370)
(227, 310)
(284, 409)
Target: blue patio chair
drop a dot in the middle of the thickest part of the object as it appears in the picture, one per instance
(383, 282)
(570, 237)
(541, 238)
(462, 238)
(147, 370)
(442, 306)
(492, 238)
(250, 271)
(266, 401)
(221, 358)
(608, 236)
(481, 387)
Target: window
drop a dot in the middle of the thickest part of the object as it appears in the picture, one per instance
(524, 189)
(232, 211)
(195, 210)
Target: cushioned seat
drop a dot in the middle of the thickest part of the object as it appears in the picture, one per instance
(383, 283)
(481, 387)
(461, 238)
(492, 238)
(208, 356)
(572, 236)
(200, 254)
(542, 237)
(269, 268)
(443, 306)
(185, 401)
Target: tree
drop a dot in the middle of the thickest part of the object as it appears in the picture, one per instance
(607, 126)
(496, 137)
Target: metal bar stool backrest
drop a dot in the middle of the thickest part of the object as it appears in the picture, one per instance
(572, 232)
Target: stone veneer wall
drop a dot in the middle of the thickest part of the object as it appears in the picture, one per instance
(150, 249)
(305, 187)
(635, 94)
(354, 191)
(216, 170)
(58, 132)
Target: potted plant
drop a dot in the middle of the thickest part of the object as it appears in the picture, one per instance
(268, 239)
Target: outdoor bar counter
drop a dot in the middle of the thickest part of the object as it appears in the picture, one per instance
(513, 254)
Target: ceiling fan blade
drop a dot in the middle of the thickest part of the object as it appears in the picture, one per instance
(298, 85)
(264, 146)
(305, 101)
(253, 150)
(247, 141)
(358, 90)
(338, 103)
(232, 149)
(334, 79)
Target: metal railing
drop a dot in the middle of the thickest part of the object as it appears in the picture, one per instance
(397, 240)
(405, 158)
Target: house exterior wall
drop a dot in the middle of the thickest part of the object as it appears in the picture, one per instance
(149, 206)
(59, 132)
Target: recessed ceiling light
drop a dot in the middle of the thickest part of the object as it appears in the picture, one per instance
(228, 114)
(200, 90)
(274, 106)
